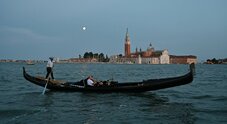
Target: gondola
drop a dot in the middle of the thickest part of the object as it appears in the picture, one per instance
(113, 86)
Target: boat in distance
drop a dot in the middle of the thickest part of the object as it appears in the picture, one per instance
(110, 85)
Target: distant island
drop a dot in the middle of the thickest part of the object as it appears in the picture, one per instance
(88, 57)
(216, 61)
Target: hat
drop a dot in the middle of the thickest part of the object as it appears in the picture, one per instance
(51, 58)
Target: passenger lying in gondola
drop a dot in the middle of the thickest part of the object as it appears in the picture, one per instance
(91, 81)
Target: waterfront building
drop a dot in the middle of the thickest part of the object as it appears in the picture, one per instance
(186, 59)
(79, 60)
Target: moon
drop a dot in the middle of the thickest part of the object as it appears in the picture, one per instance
(84, 28)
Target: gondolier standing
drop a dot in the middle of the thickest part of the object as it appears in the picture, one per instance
(50, 65)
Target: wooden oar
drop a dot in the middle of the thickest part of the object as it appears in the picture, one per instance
(48, 78)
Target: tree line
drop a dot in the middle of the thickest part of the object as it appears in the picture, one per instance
(100, 57)
(216, 61)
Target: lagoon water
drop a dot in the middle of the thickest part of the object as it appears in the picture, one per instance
(201, 102)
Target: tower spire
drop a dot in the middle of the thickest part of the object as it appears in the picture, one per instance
(127, 36)
(127, 45)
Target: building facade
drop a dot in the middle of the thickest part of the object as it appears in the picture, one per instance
(187, 59)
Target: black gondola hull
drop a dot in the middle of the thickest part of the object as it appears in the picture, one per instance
(143, 86)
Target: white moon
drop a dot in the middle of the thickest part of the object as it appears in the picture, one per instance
(84, 28)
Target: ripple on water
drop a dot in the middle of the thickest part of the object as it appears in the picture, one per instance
(202, 101)
(11, 115)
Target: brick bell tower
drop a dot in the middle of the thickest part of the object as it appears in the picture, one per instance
(127, 45)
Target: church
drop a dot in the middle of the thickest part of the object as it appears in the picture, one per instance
(149, 56)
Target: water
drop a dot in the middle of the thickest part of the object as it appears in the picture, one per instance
(203, 101)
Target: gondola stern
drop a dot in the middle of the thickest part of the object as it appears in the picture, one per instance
(23, 69)
(192, 68)
(32, 79)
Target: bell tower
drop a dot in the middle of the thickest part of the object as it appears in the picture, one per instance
(127, 45)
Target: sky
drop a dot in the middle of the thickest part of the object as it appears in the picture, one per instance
(37, 29)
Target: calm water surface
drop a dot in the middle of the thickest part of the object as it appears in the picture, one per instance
(203, 101)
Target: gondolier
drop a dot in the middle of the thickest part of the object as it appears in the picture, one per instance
(49, 68)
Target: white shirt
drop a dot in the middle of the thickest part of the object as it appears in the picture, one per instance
(90, 82)
(50, 64)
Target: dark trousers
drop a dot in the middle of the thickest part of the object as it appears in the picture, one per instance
(49, 71)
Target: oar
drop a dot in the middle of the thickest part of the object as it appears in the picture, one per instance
(48, 78)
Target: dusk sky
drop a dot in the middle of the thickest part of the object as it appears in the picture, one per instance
(37, 29)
